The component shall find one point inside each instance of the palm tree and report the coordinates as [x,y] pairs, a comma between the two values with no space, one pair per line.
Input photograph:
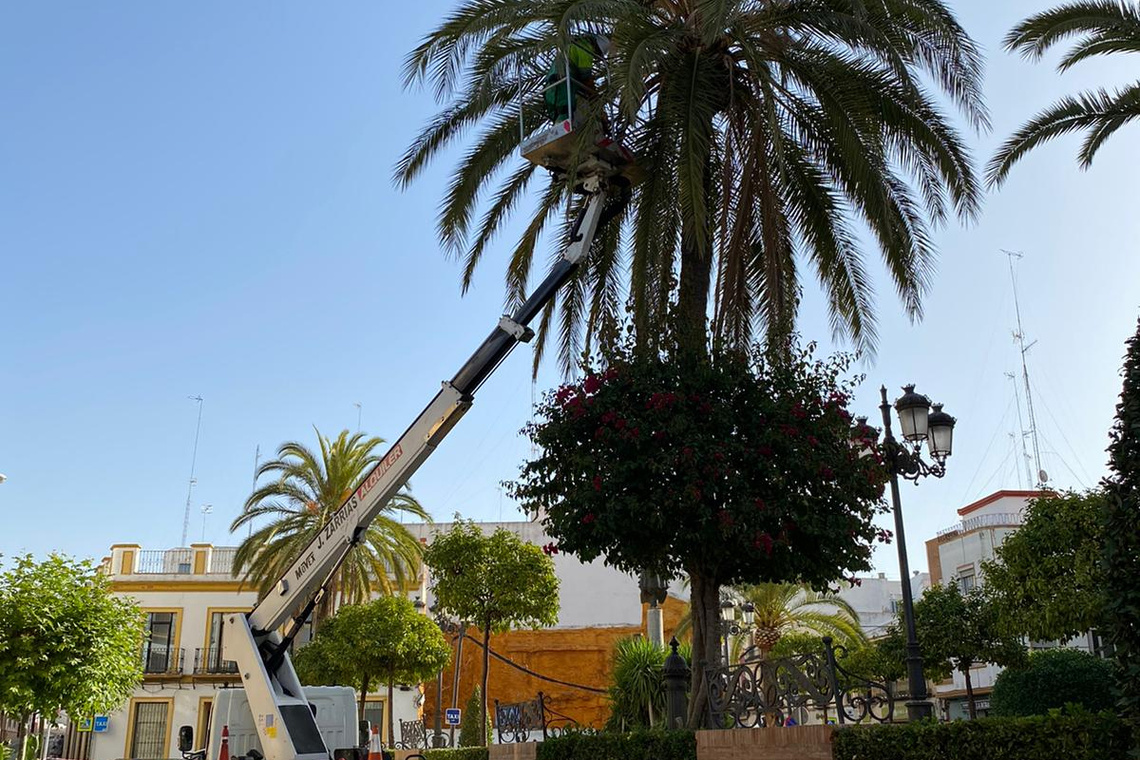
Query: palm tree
[780,609]
[1106,26]
[769,132]
[308,487]
[784,608]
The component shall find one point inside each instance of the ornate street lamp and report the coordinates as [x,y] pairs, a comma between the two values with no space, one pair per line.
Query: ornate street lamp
[653,589]
[917,425]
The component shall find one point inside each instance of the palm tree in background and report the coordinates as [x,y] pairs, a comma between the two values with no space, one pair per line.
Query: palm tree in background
[790,608]
[780,609]
[1103,26]
[306,489]
[768,131]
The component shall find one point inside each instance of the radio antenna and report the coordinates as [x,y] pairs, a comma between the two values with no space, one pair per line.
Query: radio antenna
[1023,348]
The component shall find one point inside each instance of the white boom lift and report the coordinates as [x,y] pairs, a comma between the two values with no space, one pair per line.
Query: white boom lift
[286,726]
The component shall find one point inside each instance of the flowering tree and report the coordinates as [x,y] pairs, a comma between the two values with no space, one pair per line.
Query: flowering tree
[733,470]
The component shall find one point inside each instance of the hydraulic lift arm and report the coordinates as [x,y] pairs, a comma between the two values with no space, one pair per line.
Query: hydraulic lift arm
[285,724]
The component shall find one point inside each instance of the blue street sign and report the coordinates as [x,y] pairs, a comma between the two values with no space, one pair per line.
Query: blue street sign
[100,724]
[452,716]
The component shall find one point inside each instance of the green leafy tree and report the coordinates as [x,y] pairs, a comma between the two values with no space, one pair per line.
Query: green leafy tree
[1053,679]
[1047,577]
[305,490]
[1101,27]
[386,641]
[1122,539]
[768,133]
[498,582]
[732,471]
[957,630]
[469,735]
[66,642]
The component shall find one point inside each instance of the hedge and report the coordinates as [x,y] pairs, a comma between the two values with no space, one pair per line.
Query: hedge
[457,753]
[638,745]
[1053,679]
[1079,735]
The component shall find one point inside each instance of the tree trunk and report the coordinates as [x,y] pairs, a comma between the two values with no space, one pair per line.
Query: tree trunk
[391,712]
[363,697]
[969,693]
[486,668]
[693,296]
[704,602]
[22,735]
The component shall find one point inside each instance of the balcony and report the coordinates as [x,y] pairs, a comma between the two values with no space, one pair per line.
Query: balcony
[209,662]
[161,660]
[1003,520]
[218,560]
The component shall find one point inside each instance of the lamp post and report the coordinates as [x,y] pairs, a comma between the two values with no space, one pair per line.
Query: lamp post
[448,627]
[653,590]
[917,424]
[730,627]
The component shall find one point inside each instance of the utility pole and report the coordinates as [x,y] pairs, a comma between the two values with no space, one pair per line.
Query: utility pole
[193,462]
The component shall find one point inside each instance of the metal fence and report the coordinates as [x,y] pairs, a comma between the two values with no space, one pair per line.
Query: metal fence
[160,659]
[1004,519]
[209,661]
[165,562]
[773,692]
[222,560]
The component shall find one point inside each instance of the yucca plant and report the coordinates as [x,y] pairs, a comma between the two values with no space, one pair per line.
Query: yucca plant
[1101,27]
[637,691]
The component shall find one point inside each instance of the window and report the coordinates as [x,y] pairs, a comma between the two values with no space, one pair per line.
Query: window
[966,582]
[159,655]
[374,714]
[894,607]
[205,705]
[149,730]
[213,654]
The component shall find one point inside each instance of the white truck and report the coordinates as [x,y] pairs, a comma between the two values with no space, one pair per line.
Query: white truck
[281,711]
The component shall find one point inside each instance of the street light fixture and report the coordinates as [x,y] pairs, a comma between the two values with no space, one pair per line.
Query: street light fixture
[917,424]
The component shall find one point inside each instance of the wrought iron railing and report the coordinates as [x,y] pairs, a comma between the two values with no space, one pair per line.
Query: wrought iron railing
[519,722]
[165,562]
[209,661]
[159,659]
[1004,519]
[769,692]
[222,560]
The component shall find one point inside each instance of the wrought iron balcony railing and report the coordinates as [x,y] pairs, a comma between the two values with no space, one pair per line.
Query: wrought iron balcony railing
[159,659]
[209,662]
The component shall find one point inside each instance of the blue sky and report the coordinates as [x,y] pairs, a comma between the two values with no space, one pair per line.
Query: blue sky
[196,199]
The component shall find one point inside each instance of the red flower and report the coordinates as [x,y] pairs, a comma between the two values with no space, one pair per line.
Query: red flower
[563,394]
[760,505]
[588,518]
[726,519]
[812,441]
[593,384]
[597,482]
[798,411]
[789,430]
[763,541]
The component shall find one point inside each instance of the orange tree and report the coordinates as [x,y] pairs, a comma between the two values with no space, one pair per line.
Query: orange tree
[731,469]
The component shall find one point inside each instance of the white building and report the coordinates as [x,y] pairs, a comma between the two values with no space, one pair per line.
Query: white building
[185,594]
[956,555]
[878,599]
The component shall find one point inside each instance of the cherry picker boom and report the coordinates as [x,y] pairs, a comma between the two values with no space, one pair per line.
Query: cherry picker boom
[258,641]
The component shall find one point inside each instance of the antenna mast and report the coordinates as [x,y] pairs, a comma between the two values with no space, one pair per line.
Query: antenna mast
[193,462]
[1021,430]
[1019,336]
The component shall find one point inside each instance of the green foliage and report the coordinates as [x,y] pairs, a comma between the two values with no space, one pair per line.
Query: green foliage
[748,467]
[497,582]
[957,630]
[637,745]
[781,609]
[65,641]
[386,639]
[306,490]
[637,691]
[1053,679]
[1100,27]
[1047,578]
[457,753]
[1077,736]
[768,133]
[1122,539]
[469,725]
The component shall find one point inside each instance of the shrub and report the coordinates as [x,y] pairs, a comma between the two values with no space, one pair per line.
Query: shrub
[457,753]
[469,725]
[639,745]
[637,692]
[1053,679]
[1079,735]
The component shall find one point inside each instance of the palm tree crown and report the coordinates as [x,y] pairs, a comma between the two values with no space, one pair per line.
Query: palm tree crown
[768,132]
[1103,26]
[783,608]
[308,487]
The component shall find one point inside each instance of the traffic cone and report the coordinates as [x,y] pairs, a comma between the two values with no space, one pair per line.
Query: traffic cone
[224,752]
[375,746]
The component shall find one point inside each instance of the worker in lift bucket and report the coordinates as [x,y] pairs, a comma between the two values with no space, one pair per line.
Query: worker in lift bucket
[563,98]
